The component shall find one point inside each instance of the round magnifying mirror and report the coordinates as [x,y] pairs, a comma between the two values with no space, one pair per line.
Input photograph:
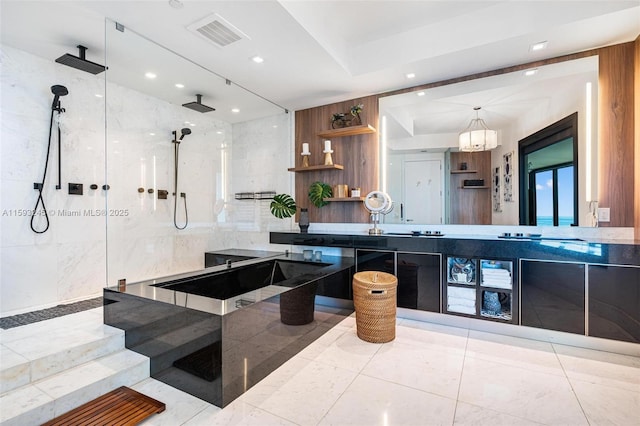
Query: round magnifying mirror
[378,202]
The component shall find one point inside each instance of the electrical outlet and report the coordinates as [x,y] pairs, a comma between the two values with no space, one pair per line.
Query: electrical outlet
[604,214]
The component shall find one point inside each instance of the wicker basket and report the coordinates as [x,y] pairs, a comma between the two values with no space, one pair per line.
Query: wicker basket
[374,298]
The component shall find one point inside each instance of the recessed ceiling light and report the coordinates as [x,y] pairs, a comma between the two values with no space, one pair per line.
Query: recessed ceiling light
[235,110]
[411,75]
[538,46]
[152,134]
[150,75]
[98,95]
[420,93]
[257,59]
[529,73]
[192,124]
[219,132]
[180,85]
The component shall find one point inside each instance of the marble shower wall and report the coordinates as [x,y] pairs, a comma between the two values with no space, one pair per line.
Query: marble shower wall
[102,236]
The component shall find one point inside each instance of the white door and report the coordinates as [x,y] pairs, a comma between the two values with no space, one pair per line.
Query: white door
[423,191]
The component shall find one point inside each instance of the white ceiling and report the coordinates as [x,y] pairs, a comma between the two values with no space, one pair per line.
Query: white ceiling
[318,52]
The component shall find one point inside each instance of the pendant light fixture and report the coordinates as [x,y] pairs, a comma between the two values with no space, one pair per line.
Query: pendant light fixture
[477,136]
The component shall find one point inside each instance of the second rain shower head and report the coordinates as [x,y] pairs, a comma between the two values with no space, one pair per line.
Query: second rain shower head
[79,62]
[198,105]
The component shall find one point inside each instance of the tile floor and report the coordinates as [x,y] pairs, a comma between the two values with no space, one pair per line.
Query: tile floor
[429,375]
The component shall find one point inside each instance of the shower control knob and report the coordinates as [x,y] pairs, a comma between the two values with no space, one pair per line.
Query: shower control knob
[141,190]
[93,186]
[106,187]
[150,190]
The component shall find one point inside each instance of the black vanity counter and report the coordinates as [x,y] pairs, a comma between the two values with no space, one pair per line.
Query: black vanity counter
[553,248]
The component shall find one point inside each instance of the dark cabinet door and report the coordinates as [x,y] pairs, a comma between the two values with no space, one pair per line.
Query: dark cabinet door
[419,281]
[553,296]
[418,276]
[614,297]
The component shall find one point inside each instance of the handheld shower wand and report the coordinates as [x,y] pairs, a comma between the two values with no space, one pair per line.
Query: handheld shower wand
[176,152]
[57,91]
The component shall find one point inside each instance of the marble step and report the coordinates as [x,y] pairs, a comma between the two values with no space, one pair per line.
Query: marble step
[36,351]
[52,396]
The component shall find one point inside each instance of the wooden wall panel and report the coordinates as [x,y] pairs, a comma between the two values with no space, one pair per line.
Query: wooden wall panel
[616,133]
[470,206]
[358,154]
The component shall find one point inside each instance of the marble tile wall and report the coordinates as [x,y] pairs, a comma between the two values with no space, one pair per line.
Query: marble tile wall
[83,249]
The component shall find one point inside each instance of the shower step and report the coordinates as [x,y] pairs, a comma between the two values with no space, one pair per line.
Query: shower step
[50,397]
[36,351]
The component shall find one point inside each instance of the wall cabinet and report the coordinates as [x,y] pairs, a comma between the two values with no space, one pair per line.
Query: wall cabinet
[553,295]
[482,288]
[418,276]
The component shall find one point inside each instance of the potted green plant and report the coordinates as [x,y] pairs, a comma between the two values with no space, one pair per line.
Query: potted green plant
[355,111]
[338,120]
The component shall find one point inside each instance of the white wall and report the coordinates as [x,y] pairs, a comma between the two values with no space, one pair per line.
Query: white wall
[69,261]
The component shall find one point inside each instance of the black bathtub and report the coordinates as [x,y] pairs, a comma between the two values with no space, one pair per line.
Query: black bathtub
[216,333]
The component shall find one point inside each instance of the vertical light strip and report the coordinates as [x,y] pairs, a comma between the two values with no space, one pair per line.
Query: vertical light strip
[223,172]
[589,147]
[383,155]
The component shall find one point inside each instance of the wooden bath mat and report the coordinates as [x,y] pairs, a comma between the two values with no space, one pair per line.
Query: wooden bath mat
[122,406]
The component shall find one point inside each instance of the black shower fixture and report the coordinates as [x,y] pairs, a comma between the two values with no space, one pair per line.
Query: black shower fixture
[183,132]
[198,105]
[58,91]
[80,62]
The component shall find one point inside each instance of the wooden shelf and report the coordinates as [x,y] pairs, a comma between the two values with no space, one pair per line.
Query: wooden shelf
[348,131]
[316,168]
[344,199]
[453,172]
[474,187]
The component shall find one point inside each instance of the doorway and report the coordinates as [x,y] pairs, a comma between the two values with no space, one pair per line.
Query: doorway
[549,175]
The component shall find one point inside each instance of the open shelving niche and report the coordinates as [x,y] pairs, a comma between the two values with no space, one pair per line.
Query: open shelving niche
[341,132]
[467,281]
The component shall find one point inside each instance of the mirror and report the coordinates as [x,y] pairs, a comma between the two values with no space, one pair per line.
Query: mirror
[377,203]
[430,180]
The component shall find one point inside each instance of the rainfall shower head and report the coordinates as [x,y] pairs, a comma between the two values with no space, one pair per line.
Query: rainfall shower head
[79,62]
[198,105]
[184,132]
[58,91]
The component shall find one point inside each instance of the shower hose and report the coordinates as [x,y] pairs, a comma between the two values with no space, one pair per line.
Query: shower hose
[176,151]
[40,199]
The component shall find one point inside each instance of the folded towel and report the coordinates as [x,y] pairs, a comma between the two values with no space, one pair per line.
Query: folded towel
[461,302]
[496,272]
[461,309]
[463,293]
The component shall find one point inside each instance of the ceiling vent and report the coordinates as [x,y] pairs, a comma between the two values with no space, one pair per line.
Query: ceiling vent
[217,30]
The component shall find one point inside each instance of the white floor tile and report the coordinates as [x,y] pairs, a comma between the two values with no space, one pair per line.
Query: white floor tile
[619,371]
[370,401]
[540,397]
[237,413]
[417,367]
[180,406]
[348,352]
[604,405]
[529,354]
[471,415]
[306,397]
